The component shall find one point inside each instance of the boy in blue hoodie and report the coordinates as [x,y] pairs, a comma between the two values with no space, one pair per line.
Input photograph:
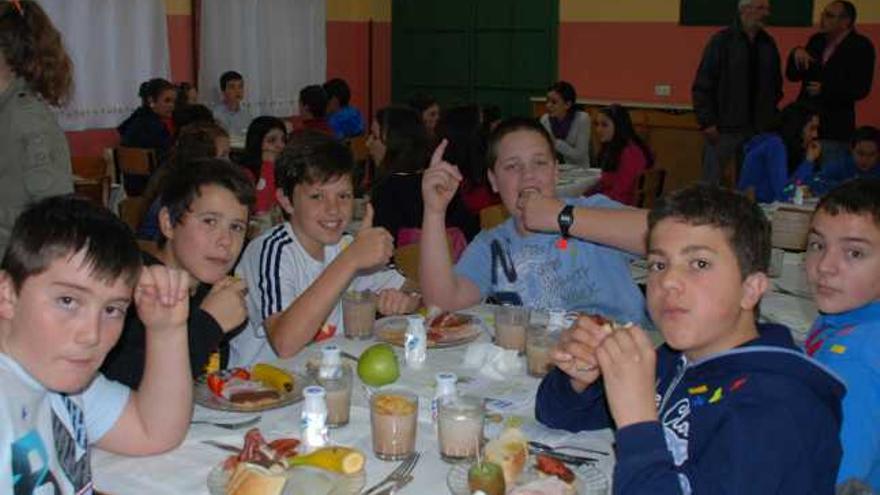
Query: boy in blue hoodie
[723,406]
[843,269]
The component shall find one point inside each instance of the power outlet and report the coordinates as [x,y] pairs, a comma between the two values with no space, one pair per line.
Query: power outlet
[662,89]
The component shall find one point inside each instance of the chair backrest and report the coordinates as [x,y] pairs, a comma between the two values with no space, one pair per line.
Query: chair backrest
[359,148]
[91,178]
[406,258]
[136,161]
[650,187]
[492,216]
[132,211]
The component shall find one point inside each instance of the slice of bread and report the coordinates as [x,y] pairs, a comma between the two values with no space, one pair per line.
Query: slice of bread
[250,479]
[510,451]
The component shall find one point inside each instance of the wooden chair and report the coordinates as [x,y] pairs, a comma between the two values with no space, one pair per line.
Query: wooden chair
[132,211]
[492,216]
[650,187]
[91,178]
[406,259]
[135,163]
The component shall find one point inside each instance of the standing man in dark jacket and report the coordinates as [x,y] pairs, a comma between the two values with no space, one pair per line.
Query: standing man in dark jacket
[836,69]
[737,87]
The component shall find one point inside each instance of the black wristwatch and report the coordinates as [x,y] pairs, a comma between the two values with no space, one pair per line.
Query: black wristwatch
[565,219]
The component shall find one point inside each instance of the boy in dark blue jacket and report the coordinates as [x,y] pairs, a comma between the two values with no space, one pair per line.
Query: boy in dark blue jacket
[724,406]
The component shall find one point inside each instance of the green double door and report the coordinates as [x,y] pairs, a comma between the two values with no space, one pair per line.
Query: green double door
[474,51]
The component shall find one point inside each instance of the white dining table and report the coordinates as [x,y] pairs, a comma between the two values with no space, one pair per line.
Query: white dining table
[575,180]
[185,469]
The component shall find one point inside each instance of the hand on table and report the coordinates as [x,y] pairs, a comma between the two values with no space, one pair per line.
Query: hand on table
[397,302]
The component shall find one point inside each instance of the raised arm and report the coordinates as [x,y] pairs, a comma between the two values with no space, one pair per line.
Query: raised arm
[440,285]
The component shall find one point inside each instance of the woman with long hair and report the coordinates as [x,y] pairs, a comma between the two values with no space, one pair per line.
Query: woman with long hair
[623,156]
[568,124]
[398,145]
[35,72]
[266,137]
[773,158]
[466,147]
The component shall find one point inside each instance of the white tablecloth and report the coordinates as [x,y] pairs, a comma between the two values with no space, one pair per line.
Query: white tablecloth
[574,180]
[185,469]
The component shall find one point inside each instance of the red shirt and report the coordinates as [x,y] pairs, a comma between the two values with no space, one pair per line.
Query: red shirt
[265,188]
[621,184]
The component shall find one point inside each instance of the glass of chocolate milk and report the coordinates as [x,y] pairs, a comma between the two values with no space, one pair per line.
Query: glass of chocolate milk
[393,420]
[460,427]
[510,327]
[358,314]
[539,343]
[338,397]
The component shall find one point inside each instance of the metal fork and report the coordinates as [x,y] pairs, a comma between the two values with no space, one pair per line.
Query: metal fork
[234,425]
[399,474]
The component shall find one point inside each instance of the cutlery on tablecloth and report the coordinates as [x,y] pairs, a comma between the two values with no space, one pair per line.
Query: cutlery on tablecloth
[228,425]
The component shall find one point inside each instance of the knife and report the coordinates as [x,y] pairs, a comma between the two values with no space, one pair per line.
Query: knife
[575,460]
[222,446]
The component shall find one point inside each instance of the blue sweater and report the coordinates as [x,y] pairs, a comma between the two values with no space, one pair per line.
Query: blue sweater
[765,167]
[832,174]
[346,122]
[761,418]
[849,344]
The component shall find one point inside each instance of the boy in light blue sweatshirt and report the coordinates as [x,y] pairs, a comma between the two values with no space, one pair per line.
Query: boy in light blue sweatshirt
[843,269]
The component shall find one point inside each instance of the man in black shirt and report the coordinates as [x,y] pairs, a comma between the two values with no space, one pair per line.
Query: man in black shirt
[835,69]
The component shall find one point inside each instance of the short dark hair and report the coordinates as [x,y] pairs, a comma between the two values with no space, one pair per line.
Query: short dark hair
[187,114]
[857,197]
[315,99]
[311,157]
[566,91]
[150,90]
[196,141]
[866,133]
[227,76]
[339,88]
[60,226]
[849,11]
[422,102]
[184,181]
[511,125]
[742,220]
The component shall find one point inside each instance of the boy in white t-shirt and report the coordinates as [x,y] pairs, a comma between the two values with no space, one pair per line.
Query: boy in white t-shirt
[297,272]
[66,282]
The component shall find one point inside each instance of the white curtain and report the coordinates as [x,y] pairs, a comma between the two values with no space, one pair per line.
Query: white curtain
[278,46]
[115,45]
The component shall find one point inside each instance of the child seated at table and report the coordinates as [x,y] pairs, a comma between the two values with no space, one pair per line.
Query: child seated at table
[843,270]
[203,219]
[863,161]
[512,262]
[297,272]
[230,113]
[66,282]
[345,120]
[724,406]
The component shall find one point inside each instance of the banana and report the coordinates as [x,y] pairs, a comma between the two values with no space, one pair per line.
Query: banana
[272,376]
[344,460]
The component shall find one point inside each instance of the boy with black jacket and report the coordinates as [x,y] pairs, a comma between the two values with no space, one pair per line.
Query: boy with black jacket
[724,406]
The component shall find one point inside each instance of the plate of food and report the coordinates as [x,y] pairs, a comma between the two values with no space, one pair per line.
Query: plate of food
[443,330]
[507,463]
[257,388]
[276,468]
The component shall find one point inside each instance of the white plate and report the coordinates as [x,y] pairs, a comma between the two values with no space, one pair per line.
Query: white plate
[589,480]
[204,397]
[342,485]
[392,329]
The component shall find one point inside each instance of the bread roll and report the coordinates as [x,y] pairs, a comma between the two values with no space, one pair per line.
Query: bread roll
[510,451]
[250,479]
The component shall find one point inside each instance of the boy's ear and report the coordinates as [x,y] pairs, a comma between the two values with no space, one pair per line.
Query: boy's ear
[492,180]
[165,225]
[8,296]
[754,287]
[284,201]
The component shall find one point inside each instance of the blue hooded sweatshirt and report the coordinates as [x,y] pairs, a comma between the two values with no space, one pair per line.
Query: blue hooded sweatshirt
[765,167]
[760,418]
[849,344]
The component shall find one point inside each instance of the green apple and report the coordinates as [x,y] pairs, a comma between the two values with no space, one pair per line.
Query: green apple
[377,366]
